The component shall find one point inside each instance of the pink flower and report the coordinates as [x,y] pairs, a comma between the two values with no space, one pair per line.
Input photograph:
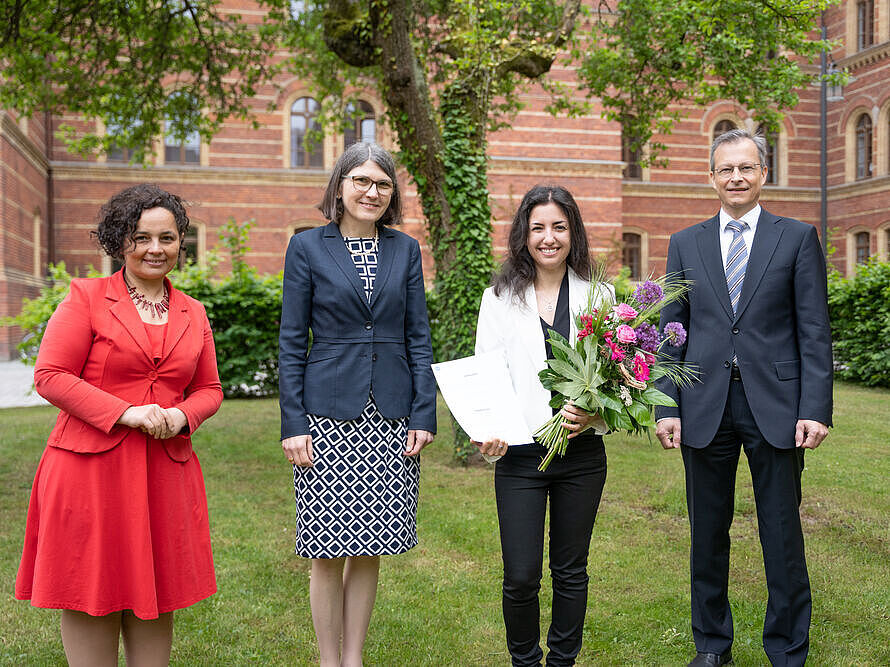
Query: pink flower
[641,370]
[587,321]
[624,312]
[649,357]
[617,352]
[625,334]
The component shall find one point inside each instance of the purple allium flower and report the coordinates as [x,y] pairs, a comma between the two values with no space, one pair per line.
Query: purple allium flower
[674,333]
[647,337]
[648,292]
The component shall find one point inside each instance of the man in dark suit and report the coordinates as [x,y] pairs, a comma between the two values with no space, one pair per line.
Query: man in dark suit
[758,331]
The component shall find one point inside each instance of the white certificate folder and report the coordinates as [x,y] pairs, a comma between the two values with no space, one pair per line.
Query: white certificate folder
[480,395]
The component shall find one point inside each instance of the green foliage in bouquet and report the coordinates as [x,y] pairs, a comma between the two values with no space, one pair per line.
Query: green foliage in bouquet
[610,368]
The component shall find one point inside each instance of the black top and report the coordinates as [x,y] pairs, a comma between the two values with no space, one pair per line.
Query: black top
[562,326]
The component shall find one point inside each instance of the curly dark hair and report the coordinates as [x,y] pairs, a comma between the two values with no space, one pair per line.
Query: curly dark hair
[519,270]
[119,216]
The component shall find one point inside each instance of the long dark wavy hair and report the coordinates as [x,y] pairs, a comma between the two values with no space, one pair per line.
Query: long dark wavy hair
[519,271]
[331,205]
[119,216]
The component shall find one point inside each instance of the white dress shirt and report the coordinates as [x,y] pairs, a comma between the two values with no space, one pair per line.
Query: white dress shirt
[751,217]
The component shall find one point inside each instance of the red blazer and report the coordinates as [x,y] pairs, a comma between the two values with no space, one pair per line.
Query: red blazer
[95,361]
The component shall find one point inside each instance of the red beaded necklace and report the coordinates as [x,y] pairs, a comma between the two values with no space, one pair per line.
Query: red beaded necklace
[155,308]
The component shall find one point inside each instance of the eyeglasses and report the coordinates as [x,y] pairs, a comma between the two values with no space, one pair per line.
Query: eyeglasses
[363,184]
[744,170]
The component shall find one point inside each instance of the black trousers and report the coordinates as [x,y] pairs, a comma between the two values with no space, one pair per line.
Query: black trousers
[574,486]
[710,495]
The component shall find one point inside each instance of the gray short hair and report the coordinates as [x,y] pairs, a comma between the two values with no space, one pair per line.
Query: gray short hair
[331,205]
[736,135]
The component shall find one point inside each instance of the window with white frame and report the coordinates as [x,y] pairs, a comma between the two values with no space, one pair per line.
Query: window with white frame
[363,127]
[863,146]
[305,150]
[632,254]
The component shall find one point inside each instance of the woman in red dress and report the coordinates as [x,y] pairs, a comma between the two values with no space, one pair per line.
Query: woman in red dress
[117,533]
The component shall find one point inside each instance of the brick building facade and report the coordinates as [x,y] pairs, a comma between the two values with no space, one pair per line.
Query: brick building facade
[49,198]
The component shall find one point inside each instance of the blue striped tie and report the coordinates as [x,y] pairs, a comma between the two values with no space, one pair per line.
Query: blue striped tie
[736,262]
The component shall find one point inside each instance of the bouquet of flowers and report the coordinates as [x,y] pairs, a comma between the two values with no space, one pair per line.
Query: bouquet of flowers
[610,368]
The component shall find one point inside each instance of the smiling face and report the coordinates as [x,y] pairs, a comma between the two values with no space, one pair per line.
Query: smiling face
[361,209]
[549,239]
[155,248]
[738,193]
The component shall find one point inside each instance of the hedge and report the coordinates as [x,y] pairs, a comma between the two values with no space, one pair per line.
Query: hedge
[859,308]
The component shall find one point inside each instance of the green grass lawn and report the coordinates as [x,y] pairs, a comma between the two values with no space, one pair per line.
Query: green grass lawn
[439,604]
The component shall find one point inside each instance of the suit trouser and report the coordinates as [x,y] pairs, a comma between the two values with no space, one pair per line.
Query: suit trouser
[710,493]
[574,485]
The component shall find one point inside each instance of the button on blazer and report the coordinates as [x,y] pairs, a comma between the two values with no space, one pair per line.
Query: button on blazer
[357,347]
[96,361]
[779,333]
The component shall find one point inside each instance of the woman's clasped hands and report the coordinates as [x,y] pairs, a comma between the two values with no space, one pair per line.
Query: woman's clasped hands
[160,423]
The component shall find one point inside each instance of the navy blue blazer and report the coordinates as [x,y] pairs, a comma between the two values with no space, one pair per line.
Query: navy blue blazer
[780,332]
[357,347]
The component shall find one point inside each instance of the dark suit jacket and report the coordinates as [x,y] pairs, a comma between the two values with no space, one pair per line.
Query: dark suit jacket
[780,333]
[95,361]
[356,348]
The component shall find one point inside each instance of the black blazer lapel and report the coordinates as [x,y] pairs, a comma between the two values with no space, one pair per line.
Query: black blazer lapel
[335,246]
[766,238]
[708,238]
[386,251]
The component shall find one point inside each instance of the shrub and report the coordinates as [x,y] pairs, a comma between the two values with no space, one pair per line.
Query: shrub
[36,312]
[859,308]
[243,308]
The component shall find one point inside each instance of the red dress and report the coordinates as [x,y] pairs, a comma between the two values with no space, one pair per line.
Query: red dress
[117,519]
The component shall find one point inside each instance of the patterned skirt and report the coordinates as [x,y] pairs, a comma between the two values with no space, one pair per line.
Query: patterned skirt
[359,498]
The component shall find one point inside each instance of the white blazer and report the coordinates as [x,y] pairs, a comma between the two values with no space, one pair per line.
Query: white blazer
[507,324]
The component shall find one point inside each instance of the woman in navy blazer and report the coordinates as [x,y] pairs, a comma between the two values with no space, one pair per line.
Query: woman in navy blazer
[358,403]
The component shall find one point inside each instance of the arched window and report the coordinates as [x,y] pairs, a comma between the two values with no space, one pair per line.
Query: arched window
[303,120]
[772,158]
[181,150]
[863,146]
[632,254]
[863,247]
[364,124]
[188,251]
[723,126]
[117,153]
[632,170]
[865,24]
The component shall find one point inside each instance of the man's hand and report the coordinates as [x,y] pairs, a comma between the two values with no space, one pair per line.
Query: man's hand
[809,433]
[668,432]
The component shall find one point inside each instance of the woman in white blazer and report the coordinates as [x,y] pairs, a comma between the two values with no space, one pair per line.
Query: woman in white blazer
[544,282]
